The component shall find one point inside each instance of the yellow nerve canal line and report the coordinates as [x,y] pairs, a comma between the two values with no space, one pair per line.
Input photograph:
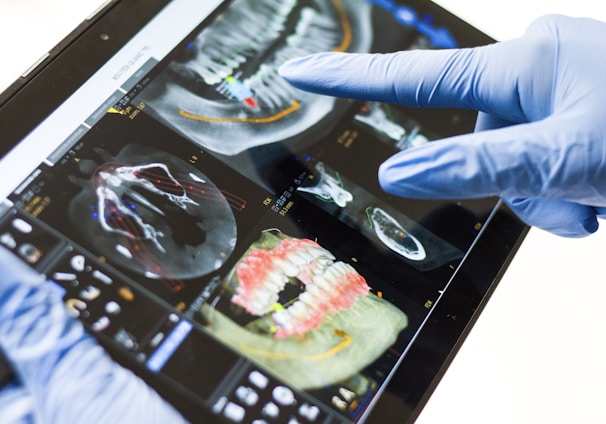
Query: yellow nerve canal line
[347,340]
[294,107]
[346,27]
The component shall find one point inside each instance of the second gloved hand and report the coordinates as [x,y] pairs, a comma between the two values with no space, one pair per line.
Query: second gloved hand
[65,376]
[540,139]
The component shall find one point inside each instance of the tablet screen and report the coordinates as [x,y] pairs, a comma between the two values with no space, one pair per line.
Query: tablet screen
[224,234]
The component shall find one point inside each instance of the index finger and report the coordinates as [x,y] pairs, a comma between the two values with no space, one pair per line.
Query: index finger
[481,78]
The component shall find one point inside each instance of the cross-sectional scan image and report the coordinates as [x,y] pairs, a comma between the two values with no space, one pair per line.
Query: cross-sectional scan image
[379,222]
[153,213]
[391,126]
[294,308]
[224,92]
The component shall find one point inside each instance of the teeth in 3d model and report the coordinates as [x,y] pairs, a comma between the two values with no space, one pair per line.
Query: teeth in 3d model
[328,286]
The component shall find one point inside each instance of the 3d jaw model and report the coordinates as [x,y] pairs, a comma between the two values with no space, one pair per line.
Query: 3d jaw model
[312,319]
[329,286]
[225,93]
[154,214]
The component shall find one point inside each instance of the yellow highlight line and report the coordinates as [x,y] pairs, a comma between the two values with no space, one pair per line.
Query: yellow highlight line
[294,107]
[346,27]
[347,340]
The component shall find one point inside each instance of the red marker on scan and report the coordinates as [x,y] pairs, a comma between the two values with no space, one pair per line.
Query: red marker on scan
[241,92]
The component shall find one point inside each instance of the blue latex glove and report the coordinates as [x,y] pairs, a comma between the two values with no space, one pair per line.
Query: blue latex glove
[540,139]
[64,375]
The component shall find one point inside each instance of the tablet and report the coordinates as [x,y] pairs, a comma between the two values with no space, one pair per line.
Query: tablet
[223,234]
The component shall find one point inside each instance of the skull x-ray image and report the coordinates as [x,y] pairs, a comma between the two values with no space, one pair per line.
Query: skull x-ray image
[224,93]
[153,213]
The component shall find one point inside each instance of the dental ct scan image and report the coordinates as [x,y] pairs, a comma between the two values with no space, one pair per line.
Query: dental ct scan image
[224,235]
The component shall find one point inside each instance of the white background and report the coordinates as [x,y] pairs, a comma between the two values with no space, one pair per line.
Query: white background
[538,352]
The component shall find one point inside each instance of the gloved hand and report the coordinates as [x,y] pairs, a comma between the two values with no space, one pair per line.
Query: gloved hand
[65,376]
[540,139]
